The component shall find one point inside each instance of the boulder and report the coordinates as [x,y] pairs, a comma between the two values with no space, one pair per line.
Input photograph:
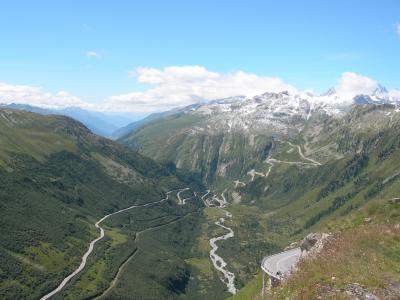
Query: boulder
[313,243]
[394,200]
[357,291]
[367,220]
[292,246]
[309,241]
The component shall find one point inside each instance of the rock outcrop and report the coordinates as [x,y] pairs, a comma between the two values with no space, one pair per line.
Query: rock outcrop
[313,243]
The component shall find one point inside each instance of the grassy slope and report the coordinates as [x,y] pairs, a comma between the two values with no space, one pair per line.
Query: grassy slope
[360,252]
[251,290]
[358,152]
[264,222]
[159,246]
[185,140]
[53,188]
[302,199]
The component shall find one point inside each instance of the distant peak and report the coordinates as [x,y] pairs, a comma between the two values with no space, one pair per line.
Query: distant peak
[329,92]
[276,94]
[380,90]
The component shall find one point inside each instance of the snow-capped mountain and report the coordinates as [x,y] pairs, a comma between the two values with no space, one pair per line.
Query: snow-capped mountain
[223,137]
[279,109]
[380,95]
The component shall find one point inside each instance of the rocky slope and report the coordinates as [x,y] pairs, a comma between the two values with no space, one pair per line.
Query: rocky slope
[226,138]
[286,162]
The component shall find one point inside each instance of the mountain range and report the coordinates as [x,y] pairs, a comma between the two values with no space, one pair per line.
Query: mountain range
[104,124]
[56,179]
[227,125]
[288,164]
[241,178]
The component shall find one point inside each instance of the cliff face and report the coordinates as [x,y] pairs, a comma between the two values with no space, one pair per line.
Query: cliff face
[226,139]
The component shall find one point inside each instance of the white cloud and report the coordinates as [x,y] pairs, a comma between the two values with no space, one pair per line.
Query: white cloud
[397,28]
[35,96]
[93,54]
[352,84]
[394,94]
[183,85]
[179,86]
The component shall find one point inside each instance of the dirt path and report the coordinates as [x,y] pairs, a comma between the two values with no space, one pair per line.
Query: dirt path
[121,269]
[91,247]
[303,156]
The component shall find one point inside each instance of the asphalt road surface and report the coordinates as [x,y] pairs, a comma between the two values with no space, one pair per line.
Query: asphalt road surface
[281,264]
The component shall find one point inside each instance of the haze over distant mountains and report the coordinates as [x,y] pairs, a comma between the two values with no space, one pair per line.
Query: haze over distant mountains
[336,100]
[306,158]
[100,123]
[197,150]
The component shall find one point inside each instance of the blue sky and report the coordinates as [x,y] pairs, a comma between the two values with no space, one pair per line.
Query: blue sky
[89,48]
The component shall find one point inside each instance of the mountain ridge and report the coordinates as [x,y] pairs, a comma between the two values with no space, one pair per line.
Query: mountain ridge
[246,122]
[100,123]
[57,178]
[281,168]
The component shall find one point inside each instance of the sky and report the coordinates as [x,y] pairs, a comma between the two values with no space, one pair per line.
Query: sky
[144,56]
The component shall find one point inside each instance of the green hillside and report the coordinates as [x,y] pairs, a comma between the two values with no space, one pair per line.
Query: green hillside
[362,255]
[359,164]
[174,139]
[57,179]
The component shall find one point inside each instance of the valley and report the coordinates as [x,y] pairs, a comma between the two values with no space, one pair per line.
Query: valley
[218,262]
[92,244]
[200,150]
[62,208]
[280,183]
[238,195]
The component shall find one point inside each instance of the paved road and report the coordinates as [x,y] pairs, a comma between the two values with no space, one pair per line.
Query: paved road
[281,264]
[180,200]
[137,236]
[314,162]
[91,247]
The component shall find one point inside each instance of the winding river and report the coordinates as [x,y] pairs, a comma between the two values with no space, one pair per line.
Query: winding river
[218,261]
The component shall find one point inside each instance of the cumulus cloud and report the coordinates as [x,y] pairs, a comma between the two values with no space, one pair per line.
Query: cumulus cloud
[352,84]
[24,94]
[183,85]
[93,54]
[179,86]
[395,94]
